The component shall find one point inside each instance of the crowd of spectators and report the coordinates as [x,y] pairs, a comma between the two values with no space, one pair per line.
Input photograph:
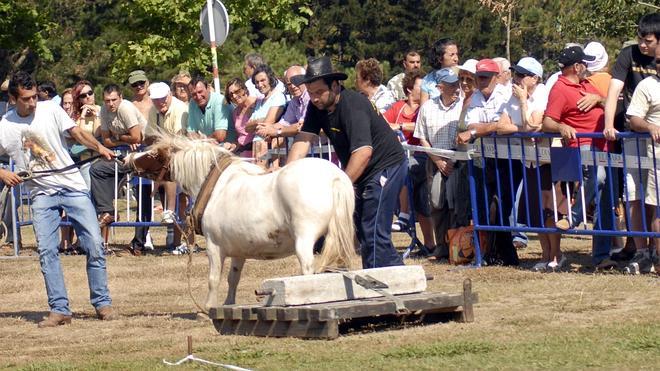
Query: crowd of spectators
[449,107]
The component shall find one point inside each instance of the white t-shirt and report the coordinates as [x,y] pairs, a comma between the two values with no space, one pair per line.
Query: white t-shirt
[254,92]
[37,142]
[119,123]
[645,102]
[535,103]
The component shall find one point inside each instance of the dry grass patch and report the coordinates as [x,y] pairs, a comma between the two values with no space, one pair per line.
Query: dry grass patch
[524,320]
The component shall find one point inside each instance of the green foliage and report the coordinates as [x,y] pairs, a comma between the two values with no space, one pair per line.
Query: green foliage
[102,40]
[166,33]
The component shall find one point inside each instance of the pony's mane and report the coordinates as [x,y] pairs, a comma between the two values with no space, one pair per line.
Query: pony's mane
[191,159]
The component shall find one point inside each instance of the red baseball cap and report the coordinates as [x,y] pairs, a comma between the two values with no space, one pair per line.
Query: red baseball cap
[487,67]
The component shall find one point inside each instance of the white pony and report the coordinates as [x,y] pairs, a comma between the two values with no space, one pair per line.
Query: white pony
[252,214]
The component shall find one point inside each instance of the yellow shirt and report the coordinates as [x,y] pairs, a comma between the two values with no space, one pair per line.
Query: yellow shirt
[174,121]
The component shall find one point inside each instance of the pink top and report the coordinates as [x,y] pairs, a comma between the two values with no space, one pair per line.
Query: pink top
[240,121]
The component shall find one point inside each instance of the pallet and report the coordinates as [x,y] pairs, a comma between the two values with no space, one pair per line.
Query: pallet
[324,321]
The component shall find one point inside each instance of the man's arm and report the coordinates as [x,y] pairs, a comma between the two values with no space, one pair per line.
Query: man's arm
[358,162]
[87,140]
[444,165]
[613,91]
[552,126]
[219,135]
[300,146]
[640,125]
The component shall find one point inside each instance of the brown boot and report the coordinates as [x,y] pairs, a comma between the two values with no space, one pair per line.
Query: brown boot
[106,313]
[55,319]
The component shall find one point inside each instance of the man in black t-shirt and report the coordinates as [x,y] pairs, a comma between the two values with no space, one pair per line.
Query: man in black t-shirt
[634,64]
[368,149]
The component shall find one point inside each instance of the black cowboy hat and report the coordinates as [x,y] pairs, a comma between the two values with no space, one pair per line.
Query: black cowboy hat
[318,68]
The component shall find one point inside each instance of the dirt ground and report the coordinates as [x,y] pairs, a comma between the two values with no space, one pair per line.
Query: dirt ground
[524,320]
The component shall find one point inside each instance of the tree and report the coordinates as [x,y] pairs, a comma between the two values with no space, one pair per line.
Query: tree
[166,33]
[23,30]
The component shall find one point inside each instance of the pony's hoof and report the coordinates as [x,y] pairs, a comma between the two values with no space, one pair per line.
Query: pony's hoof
[202,317]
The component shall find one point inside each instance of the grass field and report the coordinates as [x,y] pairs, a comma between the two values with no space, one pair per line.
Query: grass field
[525,320]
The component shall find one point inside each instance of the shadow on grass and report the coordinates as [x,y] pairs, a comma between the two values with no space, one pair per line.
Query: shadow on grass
[29,316]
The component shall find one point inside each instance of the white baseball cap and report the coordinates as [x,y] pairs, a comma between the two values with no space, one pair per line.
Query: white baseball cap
[158,90]
[470,65]
[597,50]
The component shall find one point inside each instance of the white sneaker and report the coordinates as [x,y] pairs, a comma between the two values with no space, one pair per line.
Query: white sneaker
[181,250]
[555,266]
[148,244]
[168,217]
[540,267]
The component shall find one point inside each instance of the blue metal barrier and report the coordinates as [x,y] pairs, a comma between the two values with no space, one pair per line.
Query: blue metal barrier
[501,156]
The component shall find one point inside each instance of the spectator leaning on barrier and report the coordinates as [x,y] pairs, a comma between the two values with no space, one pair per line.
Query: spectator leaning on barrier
[411,61]
[644,115]
[121,125]
[369,150]
[291,121]
[368,81]
[436,127]
[267,110]
[482,119]
[565,115]
[237,94]
[633,64]
[524,113]
[33,135]
[208,115]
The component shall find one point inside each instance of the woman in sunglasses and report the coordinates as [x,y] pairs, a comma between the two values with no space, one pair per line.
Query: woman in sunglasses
[524,113]
[237,94]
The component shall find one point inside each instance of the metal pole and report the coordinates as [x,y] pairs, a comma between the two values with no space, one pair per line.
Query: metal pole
[214,54]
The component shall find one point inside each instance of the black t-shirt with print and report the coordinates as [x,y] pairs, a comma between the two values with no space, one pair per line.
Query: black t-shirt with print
[353,124]
[631,67]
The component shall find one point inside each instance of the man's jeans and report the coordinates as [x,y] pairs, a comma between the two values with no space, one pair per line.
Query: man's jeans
[102,177]
[598,189]
[374,209]
[46,218]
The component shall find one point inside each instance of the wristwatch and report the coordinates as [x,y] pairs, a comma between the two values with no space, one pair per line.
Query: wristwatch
[279,131]
[473,134]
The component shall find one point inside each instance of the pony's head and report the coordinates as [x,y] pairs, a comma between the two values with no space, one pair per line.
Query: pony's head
[178,158]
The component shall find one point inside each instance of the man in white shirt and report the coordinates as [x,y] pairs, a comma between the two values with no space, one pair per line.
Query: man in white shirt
[34,136]
[482,119]
[644,115]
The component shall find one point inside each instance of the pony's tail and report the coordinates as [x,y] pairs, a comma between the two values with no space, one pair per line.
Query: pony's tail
[339,246]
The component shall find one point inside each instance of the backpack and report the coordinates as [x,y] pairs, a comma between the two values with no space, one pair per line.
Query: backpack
[461,244]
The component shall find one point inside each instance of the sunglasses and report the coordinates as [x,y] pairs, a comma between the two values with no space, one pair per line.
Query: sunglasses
[522,75]
[85,95]
[138,84]
[235,92]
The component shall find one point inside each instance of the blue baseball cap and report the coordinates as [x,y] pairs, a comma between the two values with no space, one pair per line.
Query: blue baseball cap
[446,75]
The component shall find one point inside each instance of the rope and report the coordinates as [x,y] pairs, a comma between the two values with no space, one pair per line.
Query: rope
[187,238]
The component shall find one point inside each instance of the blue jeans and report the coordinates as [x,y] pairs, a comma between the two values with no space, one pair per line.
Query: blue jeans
[596,182]
[46,218]
[375,204]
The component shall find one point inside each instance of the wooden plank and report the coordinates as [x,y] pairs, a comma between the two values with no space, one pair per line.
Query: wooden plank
[330,287]
[301,329]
